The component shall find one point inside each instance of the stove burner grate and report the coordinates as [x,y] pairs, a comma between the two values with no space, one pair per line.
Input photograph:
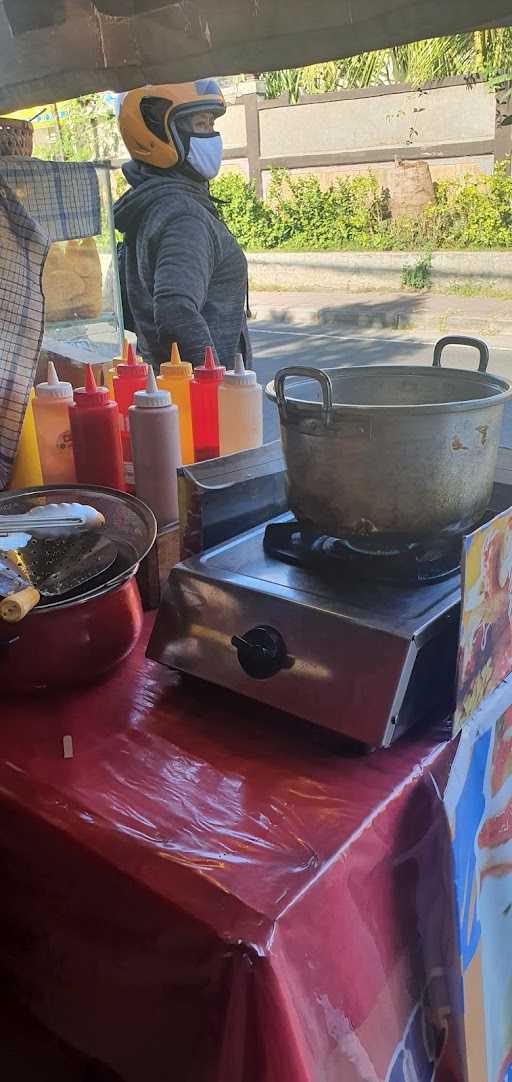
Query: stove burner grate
[415,563]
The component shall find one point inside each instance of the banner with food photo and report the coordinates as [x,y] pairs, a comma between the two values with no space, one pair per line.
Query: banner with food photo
[478,801]
[485,644]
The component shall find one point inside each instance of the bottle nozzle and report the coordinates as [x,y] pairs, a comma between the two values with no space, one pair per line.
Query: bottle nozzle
[131,357]
[210,371]
[152,396]
[151,384]
[90,382]
[54,388]
[52,378]
[90,394]
[239,375]
[124,354]
[175,355]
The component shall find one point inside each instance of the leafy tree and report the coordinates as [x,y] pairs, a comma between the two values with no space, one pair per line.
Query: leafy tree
[480,53]
[86,132]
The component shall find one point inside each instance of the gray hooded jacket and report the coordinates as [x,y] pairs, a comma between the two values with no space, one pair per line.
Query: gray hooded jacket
[183,274]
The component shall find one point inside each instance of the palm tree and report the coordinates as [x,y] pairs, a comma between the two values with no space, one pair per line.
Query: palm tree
[484,52]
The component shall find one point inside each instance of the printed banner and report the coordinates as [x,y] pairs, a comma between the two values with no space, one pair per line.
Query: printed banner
[485,645]
[479,806]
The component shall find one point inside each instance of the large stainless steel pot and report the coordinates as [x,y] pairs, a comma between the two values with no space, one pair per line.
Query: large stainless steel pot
[400,451]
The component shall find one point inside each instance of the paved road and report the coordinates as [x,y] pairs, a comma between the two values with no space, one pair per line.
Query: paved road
[275,348]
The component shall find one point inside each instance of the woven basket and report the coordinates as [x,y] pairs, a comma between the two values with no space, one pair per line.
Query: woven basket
[16,138]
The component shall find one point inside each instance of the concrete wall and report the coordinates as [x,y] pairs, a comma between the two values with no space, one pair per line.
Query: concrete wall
[361,271]
[451,127]
[450,114]
[233,127]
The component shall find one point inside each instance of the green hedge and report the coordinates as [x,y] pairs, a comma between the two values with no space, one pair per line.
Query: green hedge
[353,213]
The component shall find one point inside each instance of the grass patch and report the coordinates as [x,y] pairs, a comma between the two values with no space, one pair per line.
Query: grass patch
[469,289]
[418,275]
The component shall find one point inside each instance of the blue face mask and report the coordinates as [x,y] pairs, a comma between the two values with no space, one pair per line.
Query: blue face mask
[205,154]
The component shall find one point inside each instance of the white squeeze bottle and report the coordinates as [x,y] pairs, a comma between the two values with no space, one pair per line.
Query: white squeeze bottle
[50,408]
[240,410]
[155,437]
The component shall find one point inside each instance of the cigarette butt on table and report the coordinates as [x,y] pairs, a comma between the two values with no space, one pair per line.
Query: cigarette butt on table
[15,606]
[67,747]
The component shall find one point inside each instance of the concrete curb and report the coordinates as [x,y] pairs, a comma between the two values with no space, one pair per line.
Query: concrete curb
[386,319]
[378,271]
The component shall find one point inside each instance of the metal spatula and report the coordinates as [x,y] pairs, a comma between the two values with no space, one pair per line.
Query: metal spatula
[54,568]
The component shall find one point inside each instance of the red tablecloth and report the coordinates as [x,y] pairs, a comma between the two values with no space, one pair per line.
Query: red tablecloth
[210,892]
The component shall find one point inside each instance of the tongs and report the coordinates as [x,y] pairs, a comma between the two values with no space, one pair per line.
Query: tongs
[54,520]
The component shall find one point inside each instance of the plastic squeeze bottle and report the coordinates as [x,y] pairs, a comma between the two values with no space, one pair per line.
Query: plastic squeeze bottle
[155,432]
[96,436]
[51,418]
[240,410]
[204,400]
[175,376]
[130,377]
[26,471]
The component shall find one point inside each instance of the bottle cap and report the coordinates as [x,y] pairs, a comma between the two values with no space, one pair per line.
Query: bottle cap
[175,368]
[132,366]
[54,387]
[238,376]
[151,398]
[91,394]
[209,372]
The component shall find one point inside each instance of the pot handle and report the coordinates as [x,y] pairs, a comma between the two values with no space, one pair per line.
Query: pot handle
[317,374]
[462,340]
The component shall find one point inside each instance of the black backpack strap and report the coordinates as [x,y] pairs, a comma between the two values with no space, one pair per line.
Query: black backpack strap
[129,324]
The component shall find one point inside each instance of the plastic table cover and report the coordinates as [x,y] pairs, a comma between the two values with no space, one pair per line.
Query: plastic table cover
[209,891]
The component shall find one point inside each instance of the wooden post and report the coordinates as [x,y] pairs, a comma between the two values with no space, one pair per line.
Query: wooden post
[503,133]
[252,130]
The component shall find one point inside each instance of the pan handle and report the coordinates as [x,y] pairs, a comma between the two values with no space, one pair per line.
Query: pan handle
[307,373]
[15,606]
[462,340]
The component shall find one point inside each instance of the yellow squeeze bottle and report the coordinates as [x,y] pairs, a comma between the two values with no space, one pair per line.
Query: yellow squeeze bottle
[27,468]
[175,376]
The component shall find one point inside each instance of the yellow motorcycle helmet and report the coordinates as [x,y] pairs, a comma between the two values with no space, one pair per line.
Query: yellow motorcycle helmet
[149,118]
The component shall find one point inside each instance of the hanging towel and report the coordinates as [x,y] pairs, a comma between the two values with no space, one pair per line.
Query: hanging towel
[40,202]
[62,197]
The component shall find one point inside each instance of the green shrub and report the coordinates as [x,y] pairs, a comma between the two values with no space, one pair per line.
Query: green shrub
[475,212]
[244,214]
[419,275]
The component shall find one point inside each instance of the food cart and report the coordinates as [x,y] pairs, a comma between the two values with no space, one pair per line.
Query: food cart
[200,882]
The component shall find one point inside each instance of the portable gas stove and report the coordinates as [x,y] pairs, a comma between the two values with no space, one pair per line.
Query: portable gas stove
[324,630]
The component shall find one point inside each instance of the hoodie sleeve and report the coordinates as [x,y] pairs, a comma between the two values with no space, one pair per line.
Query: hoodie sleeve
[183,267]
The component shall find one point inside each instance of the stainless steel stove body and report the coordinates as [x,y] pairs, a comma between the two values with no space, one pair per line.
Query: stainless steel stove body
[362,658]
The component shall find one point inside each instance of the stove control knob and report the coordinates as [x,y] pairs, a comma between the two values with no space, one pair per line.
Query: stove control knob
[261,652]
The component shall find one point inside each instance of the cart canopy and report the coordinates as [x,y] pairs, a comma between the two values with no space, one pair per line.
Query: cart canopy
[56,49]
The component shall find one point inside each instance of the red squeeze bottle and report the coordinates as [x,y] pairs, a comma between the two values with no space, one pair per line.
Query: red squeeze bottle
[130,377]
[204,404]
[96,436]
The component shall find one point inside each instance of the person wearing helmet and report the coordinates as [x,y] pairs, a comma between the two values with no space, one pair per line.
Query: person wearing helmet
[183,274]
